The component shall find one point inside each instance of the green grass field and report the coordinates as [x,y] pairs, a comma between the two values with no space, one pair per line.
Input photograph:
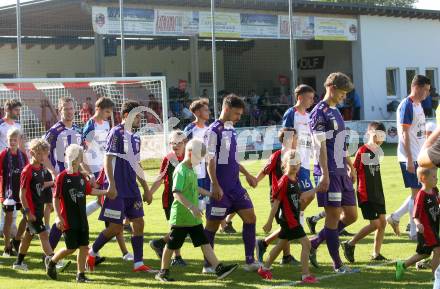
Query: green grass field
[114,273]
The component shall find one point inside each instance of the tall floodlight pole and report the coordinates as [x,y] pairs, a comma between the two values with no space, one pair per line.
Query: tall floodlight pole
[19,56]
[214,59]
[121,27]
[292,52]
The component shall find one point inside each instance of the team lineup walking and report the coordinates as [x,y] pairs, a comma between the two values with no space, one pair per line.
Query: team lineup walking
[202,188]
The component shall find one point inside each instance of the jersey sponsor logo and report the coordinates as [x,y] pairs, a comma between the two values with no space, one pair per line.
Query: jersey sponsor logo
[112,214]
[39,188]
[75,195]
[137,205]
[334,196]
[218,212]
[373,169]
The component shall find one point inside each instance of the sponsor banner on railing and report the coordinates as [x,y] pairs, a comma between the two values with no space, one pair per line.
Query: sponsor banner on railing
[164,22]
[176,23]
[303,27]
[226,24]
[335,29]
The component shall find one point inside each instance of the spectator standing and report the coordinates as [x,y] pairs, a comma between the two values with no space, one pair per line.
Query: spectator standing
[85,112]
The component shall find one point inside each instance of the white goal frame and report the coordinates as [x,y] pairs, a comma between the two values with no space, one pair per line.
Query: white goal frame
[109,80]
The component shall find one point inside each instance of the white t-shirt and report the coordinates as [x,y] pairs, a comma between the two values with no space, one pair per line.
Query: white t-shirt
[301,123]
[4,128]
[95,135]
[194,132]
[412,115]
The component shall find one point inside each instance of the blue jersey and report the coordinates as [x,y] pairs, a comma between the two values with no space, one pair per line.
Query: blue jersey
[327,123]
[125,147]
[222,145]
[59,138]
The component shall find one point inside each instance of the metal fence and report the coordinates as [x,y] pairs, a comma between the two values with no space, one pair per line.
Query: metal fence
[258,49]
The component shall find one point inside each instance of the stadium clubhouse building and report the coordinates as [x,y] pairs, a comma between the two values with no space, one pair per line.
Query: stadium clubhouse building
[381,48]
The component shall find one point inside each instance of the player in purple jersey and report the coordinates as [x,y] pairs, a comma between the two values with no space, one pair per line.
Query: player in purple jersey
[59,137]
[333,168]
[224,170]
[122,169]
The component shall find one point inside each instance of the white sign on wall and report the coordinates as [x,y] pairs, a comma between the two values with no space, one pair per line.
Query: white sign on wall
[164,22]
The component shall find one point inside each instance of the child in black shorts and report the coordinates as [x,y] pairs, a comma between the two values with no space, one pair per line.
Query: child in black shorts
[287,205]
[427,219]
[288,138]
[186,217]
[177,142]
[31,186]
[12,162]
[70,207]
[46,196]
[370,194]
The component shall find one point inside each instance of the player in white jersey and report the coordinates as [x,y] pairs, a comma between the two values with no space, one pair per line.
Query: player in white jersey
[94,136]
[9,121]
[411,131]
[197,130]
[298,118]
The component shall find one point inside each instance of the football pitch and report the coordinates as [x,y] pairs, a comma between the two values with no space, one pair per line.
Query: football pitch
[115,273]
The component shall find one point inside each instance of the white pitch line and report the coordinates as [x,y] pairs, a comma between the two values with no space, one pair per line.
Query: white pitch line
[372,266]
[295,283]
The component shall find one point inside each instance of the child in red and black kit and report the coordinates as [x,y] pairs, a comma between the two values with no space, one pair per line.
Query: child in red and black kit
[427,219]
[71,188]
[288,139]
[287,205]
[178,141]
[31,186]
[370,193]
[12,162]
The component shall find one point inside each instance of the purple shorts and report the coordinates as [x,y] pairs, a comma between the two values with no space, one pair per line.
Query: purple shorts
[115,211]
[340,193]
[230,203]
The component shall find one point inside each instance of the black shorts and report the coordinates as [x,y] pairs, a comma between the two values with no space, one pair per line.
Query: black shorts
[178,235]
[9,208]
[372,211]
[287,233]
[37,227]
[46,196]
[167,212]
[76,238]
[422,248]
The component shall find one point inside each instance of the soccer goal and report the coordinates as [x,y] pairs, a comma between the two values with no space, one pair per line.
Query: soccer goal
[39,98]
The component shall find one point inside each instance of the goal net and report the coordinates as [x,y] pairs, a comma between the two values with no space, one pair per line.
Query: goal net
[39,98]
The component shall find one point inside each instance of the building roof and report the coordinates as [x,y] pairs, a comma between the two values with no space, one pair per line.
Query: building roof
[72,18]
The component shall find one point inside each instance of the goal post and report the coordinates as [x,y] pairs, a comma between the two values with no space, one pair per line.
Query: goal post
[39,98]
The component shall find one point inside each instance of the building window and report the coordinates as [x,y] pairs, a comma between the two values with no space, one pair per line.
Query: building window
[432,73]
[53,75]
[7,75]
[392,82]
[84,74]
[410,73]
